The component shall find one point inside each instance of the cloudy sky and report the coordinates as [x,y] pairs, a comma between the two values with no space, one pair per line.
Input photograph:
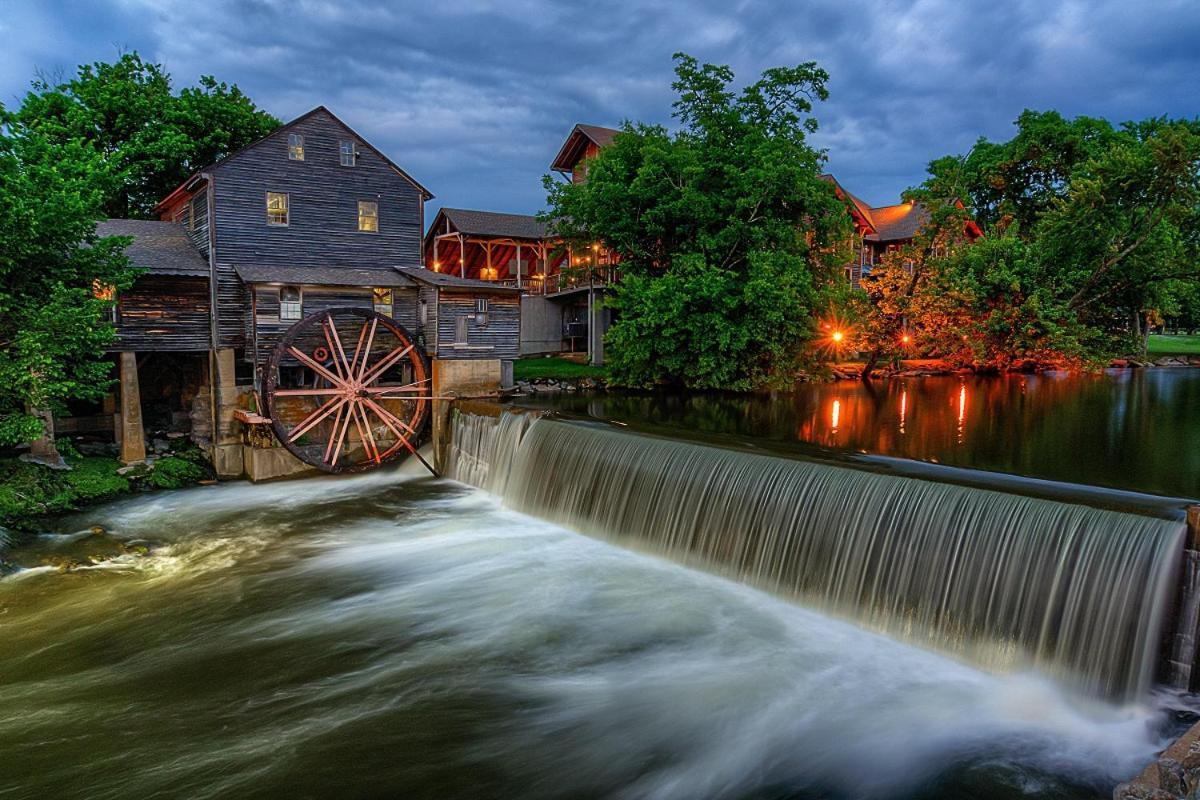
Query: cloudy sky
[474,97]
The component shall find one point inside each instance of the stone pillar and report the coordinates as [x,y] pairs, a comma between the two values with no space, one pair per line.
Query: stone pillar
[226,431]
[133,435]
[1193,524]
[597,327]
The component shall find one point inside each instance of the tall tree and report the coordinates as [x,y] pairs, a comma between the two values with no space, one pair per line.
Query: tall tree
[54,277]
[150,138]
[725,232]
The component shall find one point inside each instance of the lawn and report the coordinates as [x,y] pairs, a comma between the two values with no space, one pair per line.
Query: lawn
[1162,345]
[532,369]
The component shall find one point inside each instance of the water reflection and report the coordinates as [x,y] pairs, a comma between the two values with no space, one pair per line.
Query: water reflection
[1125,429]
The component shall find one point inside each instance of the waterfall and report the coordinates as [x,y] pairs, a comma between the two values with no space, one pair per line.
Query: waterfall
[1006,581]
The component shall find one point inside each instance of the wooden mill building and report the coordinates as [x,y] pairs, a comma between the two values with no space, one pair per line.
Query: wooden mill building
[310,217]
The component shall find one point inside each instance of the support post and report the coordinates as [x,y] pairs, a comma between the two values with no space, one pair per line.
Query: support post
[1193,526]
[133,434]
[518,265]
[227,439]
[462,256]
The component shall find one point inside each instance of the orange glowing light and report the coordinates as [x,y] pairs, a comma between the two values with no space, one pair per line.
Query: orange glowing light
[962,404]
[835,415]
[437,266]
[837,336]
[906,339]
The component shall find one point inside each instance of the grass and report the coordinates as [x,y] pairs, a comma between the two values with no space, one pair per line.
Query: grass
[532,369]
[30,490]
[1162,345]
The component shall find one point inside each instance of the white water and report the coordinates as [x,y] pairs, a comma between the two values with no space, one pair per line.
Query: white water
[392,636]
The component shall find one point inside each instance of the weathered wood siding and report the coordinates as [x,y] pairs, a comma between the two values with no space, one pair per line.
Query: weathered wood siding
[269,328]
[322,225]
[193,216]
[499,338]
[163,313]
[428,331]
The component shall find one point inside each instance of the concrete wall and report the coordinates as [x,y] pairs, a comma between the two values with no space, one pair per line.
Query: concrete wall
[541,326]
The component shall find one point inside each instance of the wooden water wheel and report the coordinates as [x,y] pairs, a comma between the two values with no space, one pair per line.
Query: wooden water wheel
[348,390]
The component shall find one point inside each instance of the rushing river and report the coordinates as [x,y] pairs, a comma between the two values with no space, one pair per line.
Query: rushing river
[394,636]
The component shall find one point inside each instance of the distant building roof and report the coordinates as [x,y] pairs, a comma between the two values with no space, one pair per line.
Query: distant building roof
[443,280]
[898,222]
[574,148]
[322,276]
[161,248]
[491,223]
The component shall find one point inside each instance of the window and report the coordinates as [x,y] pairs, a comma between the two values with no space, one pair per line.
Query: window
[368,216]
[277,208]
[295,147]
[290,305]
[481,311]
[348,151]
[382,299]
[422,312]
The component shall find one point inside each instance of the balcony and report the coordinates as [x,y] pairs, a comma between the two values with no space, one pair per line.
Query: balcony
[566,281]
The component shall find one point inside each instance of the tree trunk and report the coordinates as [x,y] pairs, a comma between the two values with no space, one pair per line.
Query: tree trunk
[869,367]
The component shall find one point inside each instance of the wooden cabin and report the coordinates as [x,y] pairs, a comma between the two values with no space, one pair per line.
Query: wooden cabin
[308,218]
[879,229]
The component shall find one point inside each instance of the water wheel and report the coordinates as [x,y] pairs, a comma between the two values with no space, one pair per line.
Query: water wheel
[348,390]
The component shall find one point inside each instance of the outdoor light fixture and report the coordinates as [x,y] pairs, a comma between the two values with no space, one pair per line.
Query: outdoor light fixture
[837,336]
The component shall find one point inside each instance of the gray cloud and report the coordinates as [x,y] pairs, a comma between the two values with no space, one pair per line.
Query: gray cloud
[475,97]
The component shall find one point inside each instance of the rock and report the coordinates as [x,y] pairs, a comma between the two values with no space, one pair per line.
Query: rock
[97,530]
[1119,363]
[1171,777]
[176,435]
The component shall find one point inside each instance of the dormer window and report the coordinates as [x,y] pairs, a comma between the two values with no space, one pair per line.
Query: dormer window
[277,208]
[348,151]
[295,147]
[368,216]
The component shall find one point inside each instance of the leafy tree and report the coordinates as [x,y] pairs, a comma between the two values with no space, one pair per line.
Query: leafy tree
[52,324]
[725,232]
[150,138]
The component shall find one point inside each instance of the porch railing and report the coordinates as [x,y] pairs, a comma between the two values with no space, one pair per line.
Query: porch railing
[566,281]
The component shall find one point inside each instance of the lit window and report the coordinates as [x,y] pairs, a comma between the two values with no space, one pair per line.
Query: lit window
[290,306]
[382,299]
[348,152]
[277,208]
[295,147]
[368,216]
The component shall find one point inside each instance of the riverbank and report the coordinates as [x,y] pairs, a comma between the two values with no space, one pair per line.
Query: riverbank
[31,492]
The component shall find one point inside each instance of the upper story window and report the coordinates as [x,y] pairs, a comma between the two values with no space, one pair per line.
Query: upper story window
[295,147]
[348,152]
[290,302]
[368,216]
[277,208]
[481,311]
[382,300]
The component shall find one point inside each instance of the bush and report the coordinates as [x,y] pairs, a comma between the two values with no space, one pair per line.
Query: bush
[174,472]
[29,490]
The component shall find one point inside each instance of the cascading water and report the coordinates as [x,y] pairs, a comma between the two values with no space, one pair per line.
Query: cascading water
[1006,581]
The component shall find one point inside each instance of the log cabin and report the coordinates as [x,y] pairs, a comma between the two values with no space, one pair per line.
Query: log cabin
[311,217]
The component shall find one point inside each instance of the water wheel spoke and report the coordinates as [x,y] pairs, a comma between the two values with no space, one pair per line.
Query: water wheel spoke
[308,392]
[341,437]
[337,422]
[364,434]
[389,419]
[385,364]
[314,418]
[415,386]
[362,367]
[335,348]
[316,367]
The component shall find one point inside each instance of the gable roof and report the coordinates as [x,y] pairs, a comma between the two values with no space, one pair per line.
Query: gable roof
[428,195]
[492,223]
[160,248]
[444,281]
[576,144]
[898,222]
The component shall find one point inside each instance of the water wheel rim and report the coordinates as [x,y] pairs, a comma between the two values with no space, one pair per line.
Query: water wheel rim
[355,388]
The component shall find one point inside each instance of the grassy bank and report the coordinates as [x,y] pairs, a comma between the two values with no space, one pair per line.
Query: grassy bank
[1162,345]
[29,492]
[534,369]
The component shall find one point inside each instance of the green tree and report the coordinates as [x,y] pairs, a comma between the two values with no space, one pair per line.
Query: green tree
[53,327]
[727,236]
[150,138]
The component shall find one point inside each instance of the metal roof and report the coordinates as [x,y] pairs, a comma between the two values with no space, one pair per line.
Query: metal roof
[322,276]
[492,223]
[445,281]
[160,248]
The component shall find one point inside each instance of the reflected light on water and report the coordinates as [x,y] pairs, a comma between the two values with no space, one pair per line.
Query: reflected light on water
[903,409]
[962,410]
[835,415]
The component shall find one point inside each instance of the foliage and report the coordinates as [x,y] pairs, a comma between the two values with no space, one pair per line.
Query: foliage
[173,472]
[53,328]
[31,490]
[532,369]
[149,138]
[1091,237]
[724,230]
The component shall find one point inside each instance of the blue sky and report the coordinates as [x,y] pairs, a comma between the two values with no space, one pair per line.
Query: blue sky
[474,98]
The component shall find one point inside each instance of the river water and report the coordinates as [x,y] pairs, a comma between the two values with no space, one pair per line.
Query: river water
[396,636]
